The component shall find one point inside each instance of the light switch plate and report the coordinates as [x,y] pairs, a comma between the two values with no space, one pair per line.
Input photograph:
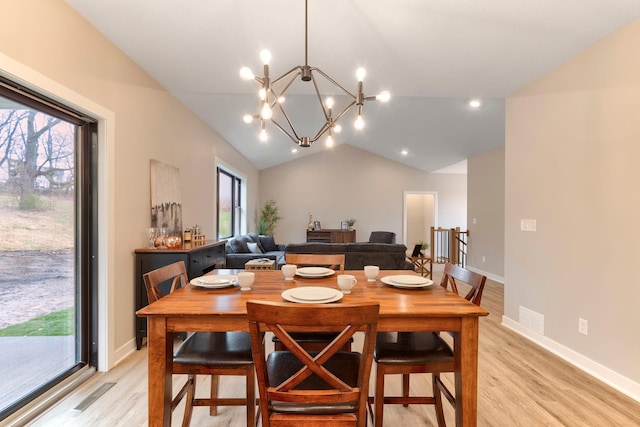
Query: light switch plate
[528,225]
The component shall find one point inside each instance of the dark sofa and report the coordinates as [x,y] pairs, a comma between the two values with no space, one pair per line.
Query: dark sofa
[388,256]
[239,250]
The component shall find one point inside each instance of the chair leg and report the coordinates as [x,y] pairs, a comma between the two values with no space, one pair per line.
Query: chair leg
[379,401]
[438,396]
[215,385]
[251,396]
[188,404]
[405,388]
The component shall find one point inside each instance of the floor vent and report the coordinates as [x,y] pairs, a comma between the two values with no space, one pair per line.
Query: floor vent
[532,320]
[93,396]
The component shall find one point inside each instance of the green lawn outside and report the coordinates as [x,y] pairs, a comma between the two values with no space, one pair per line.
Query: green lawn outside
[59,323]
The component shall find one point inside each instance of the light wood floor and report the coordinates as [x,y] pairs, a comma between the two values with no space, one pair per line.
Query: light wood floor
[520,384]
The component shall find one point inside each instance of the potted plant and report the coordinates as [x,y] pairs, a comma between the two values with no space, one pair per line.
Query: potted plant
[419,247]
[351,222]
[268,219]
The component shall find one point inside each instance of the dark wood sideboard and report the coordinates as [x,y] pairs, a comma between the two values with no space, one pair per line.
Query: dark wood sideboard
[329,235]
[198,259]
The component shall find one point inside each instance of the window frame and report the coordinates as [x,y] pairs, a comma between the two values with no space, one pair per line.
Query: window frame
[236,201]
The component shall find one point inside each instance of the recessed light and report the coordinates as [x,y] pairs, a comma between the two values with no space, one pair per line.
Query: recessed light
[475,103]
[294,150]
[404,152]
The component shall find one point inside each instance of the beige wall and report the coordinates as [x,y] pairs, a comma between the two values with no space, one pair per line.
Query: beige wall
[420,217]
[347,182]
[47,38]
[485,198]
[572,149]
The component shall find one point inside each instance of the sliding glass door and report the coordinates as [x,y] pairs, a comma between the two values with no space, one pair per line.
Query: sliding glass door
[46,245]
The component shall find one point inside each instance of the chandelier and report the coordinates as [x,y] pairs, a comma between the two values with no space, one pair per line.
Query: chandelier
[272,97]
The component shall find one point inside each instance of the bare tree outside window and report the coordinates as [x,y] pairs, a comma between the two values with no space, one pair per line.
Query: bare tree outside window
[36,154]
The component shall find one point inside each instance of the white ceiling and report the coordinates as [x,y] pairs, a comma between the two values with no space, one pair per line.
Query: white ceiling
[432,55]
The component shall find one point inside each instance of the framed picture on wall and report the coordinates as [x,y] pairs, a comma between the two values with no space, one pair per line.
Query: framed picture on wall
[417,250]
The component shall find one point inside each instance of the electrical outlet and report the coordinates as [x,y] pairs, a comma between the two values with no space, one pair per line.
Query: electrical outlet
[475,220]
[483,259]
[583,326]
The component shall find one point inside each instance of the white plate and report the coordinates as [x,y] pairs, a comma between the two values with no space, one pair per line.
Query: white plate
[312,295]
[214,281]
[389,281]
[408,280]
[314,272]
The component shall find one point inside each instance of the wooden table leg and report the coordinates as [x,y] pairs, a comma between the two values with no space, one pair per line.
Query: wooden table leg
[466,379]
[160,355]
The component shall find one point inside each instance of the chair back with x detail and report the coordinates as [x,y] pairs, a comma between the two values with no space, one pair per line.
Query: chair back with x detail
[422,352]
[208,353]
[322,388]
[315,341]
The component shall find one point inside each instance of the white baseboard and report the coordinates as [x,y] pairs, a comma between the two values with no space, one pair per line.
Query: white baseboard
[124,351]
[596,370]
[493,277]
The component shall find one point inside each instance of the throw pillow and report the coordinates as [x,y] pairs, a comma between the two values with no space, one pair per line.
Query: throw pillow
[253,248]
[238,246]
[268,243]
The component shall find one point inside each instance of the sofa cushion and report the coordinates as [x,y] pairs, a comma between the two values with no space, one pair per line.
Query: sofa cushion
[382,237]
[268,244]
[238,245]
[316,248]
[254,248]
[376,247]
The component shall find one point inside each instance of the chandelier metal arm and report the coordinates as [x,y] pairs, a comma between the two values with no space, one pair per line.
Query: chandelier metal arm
[334,82]
[297,69]
[286,117]
[283,130]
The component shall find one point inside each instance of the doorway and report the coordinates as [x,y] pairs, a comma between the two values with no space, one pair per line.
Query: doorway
[420,214]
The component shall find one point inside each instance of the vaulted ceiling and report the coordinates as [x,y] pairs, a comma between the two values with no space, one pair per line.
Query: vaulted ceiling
[432,55]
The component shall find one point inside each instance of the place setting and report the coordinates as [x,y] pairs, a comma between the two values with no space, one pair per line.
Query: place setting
[215,281]
[314,272]
[312,295]
[406,281]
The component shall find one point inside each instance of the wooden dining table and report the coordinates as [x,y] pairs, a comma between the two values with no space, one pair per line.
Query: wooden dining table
[193,309]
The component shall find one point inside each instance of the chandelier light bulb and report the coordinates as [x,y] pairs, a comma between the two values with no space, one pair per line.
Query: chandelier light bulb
[329,102]
[247,118]
[282,99]
[262,93]
[359,123]
[329,142]
[266,112]
[246,74]
[263,136]
[265,56]
[337,128]
[383,96]
[360,74]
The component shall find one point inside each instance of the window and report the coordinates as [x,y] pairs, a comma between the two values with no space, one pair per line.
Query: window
[48,245]
[228,202]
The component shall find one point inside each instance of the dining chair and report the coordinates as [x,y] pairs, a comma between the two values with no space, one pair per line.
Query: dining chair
[315,341]
[333,261]
[205,353]
[298,388]
[421,352]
